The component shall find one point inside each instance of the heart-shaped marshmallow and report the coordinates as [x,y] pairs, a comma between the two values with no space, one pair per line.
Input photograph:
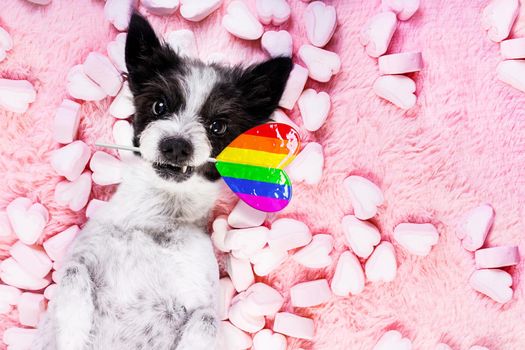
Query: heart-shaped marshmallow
[6,43]
[93,206]
[274,12]
[400,63]
[474,227]
[494,283]
[348,276]
[245,242]
[16,95]
[183,42]
[9,294]
[100,69]
[288,234]
[196,11]
[397,89]
[497,257]
[403,8]
[393,340]
[418,239]
[294,86]
[244,216]
[219,229]
[512,72]
[122,106]
[231,337]
[378,32]
[243,320]
[365,196]
[74,194]
[361,236]
[382,265]
[118,12]
[308,165]
[50,291]
[19,338]
[80,86]
[226,293]
[316,255]
[30,307]
[498,18]
[240,272]
[240,22]
[277,43]
[70,160]
[161,7]
[279,116]
[27,219]
[312,293]
[57,245]
[320,21]
[107,170]
[65,124]
[260,300]
[116,52]
[314,107]
[267,259]
[513,48]
[31,258]
[268,340]
[293,325]
[321,64]
[15,275]
[123,135]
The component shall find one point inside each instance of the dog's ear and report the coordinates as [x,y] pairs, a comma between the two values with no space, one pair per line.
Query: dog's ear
[144,53]
[262,86]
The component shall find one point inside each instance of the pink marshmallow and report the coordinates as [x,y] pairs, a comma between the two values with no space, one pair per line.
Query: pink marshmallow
[268,340]
[497,257]
[161,7]
[294,326]
[50,291]
[294,86]
[288,234]
[31,258]
[116,52]
[366,196]
[240,272]
[267,259]
[321,64]
[56,276]
[242,319]
[474,227]
[311,293]
[512,72]
[122,106]
[260,300]
[30,307]
[498,18]
[67,119]
[400,63]
[15,275]
[219,229]
[404,9]
[16,95]
[226,293]
[494,283]
[70,160]
[19,338]
[80,86]
[107,170]
[361,236]
[378,32]
[279,116]
[277,43]
[74,194]
[118,12]
[93,206]
[27,219]
[244,216]
[348,276]
[244,243]
[513,48]
[308,165]
[9,294]
[100,69]
[320,21]
[316,255]
[274,12]
[57,245]
[232,338]
[196,11]
[123,135]
[417,239]
[397,89]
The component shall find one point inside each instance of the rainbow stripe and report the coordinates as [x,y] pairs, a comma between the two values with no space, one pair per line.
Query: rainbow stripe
[252,165]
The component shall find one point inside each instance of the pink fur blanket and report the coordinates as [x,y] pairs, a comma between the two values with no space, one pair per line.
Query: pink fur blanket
[461,145]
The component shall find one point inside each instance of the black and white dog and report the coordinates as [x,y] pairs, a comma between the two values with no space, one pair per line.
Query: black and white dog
[142,273]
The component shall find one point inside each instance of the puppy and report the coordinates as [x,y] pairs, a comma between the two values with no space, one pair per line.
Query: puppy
[142,273]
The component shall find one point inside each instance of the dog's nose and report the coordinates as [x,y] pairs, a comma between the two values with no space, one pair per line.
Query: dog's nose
[176,150]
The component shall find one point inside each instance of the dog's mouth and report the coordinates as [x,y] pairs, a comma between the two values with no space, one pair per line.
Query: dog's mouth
[173,172]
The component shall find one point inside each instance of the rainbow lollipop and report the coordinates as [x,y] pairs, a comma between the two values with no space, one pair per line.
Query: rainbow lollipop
[252,165]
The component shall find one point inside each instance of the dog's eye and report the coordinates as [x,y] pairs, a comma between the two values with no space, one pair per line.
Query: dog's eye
[218,127]
[159,107]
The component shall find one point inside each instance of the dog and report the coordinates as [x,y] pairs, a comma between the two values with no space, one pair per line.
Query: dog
[142,272]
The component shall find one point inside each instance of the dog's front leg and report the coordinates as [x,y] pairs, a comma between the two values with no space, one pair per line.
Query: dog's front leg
[72,309]
[200,331]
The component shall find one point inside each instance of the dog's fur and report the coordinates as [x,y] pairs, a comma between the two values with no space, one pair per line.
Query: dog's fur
[142,273]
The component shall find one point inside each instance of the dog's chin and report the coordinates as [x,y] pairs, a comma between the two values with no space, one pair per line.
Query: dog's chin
[173,173]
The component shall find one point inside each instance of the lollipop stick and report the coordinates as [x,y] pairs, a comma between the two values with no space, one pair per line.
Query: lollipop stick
[133,149]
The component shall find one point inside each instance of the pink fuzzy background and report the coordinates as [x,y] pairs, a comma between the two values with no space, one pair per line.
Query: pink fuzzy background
[463,144]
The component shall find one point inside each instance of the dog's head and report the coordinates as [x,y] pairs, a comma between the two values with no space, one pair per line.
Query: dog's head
[187,111]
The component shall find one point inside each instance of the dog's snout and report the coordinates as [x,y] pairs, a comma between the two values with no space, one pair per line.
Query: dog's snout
[176,150]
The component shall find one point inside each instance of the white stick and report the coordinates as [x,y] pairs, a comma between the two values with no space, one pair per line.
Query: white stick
[133,149]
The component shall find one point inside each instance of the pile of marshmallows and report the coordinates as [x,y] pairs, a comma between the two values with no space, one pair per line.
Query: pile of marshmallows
[376,36]
[498,19]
